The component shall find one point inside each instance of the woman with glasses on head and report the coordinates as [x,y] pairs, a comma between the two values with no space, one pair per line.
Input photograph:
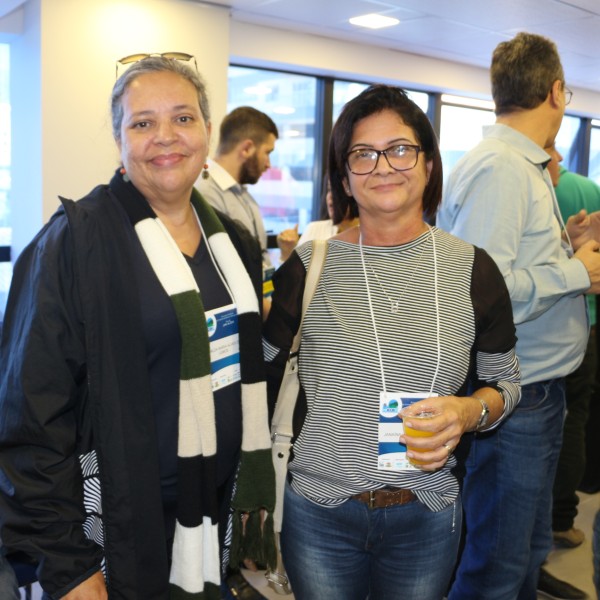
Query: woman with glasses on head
[403,315]
[132,385]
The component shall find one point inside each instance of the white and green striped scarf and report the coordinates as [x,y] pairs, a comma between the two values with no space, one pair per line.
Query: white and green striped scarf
[195,571]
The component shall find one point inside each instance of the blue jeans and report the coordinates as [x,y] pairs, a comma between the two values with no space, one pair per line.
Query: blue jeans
[349,552]
[507,499]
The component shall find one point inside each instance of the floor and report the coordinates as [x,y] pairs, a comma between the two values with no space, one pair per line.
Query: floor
[574,566]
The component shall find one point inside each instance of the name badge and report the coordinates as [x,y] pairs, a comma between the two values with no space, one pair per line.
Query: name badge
[392,453]
[222,324]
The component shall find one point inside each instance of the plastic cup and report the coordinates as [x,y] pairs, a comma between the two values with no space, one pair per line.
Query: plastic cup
[414,415]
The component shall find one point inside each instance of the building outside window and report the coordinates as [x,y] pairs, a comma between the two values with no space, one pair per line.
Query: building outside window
[461,129]
[566,140]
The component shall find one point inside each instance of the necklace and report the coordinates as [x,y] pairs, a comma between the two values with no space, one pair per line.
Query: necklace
[395,303]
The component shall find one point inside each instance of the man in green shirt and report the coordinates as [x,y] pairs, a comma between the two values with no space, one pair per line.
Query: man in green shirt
[577,196]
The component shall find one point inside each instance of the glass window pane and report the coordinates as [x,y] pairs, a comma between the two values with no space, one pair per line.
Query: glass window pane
[285,191]
[594,168]
[565,139]
[344,91]
[461,129]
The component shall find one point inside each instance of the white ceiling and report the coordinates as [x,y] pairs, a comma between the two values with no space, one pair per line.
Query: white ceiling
[464,31]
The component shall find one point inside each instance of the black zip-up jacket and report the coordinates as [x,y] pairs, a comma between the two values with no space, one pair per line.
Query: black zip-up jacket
[73,379]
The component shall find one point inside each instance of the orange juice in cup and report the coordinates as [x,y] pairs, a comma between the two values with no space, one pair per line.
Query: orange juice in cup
[414,415]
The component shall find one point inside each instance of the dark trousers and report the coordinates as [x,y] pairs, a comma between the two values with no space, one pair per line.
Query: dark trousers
[580,386]
[591,478]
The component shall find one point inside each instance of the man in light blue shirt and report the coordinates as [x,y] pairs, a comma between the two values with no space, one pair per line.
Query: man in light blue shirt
[500,197]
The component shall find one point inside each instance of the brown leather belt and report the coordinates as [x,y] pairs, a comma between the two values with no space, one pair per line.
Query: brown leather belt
[385,497]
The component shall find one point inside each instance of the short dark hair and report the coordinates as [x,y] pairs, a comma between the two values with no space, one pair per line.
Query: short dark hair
[154,64]
[523,71]
[376,99]
[244,123]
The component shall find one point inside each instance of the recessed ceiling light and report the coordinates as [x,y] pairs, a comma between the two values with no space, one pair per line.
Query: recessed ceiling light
[374,21]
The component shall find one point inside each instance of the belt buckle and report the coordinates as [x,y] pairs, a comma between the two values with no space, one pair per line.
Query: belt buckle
[371,499]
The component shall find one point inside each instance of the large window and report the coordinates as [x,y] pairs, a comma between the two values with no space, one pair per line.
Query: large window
[285,191]
[5,231]
[300,105]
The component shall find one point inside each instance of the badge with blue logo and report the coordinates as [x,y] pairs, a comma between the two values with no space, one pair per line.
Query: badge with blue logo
[392,453]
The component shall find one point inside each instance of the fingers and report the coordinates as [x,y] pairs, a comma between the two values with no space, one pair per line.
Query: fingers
[430,461]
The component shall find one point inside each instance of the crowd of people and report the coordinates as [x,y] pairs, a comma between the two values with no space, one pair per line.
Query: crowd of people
[140,361]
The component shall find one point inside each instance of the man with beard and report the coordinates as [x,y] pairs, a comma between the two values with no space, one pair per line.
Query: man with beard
[246,139]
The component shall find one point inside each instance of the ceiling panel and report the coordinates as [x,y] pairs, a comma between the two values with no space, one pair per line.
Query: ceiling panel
[459,30]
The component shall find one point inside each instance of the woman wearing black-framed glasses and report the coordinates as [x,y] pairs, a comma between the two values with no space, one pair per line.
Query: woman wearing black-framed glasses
[404,315]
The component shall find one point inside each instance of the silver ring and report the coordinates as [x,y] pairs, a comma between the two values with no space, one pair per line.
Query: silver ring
[449,448]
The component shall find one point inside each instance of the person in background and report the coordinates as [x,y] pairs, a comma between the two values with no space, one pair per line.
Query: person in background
[578,391]
[320,230]
[124,433]
[247,138]
[577,196]
[575,193]
[400,308]
[499,196]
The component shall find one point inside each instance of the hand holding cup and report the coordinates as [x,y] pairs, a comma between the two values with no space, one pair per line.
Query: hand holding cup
[419,423]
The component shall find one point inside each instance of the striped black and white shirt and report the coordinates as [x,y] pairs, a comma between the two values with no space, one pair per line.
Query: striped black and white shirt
[335,452]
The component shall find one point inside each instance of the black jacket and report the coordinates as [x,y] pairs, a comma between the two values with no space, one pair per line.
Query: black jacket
[73,379]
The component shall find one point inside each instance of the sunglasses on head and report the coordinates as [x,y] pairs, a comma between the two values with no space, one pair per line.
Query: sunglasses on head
[132,58]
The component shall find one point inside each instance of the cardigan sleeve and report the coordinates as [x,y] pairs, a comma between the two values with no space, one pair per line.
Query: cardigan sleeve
[495,356]
[42,389]
[283,321]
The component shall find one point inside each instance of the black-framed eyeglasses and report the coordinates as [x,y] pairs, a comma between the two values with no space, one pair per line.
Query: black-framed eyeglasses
[401,157]
[132,58]
[568,95]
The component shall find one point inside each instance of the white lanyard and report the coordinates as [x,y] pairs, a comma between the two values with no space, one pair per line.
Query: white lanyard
[437,311]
